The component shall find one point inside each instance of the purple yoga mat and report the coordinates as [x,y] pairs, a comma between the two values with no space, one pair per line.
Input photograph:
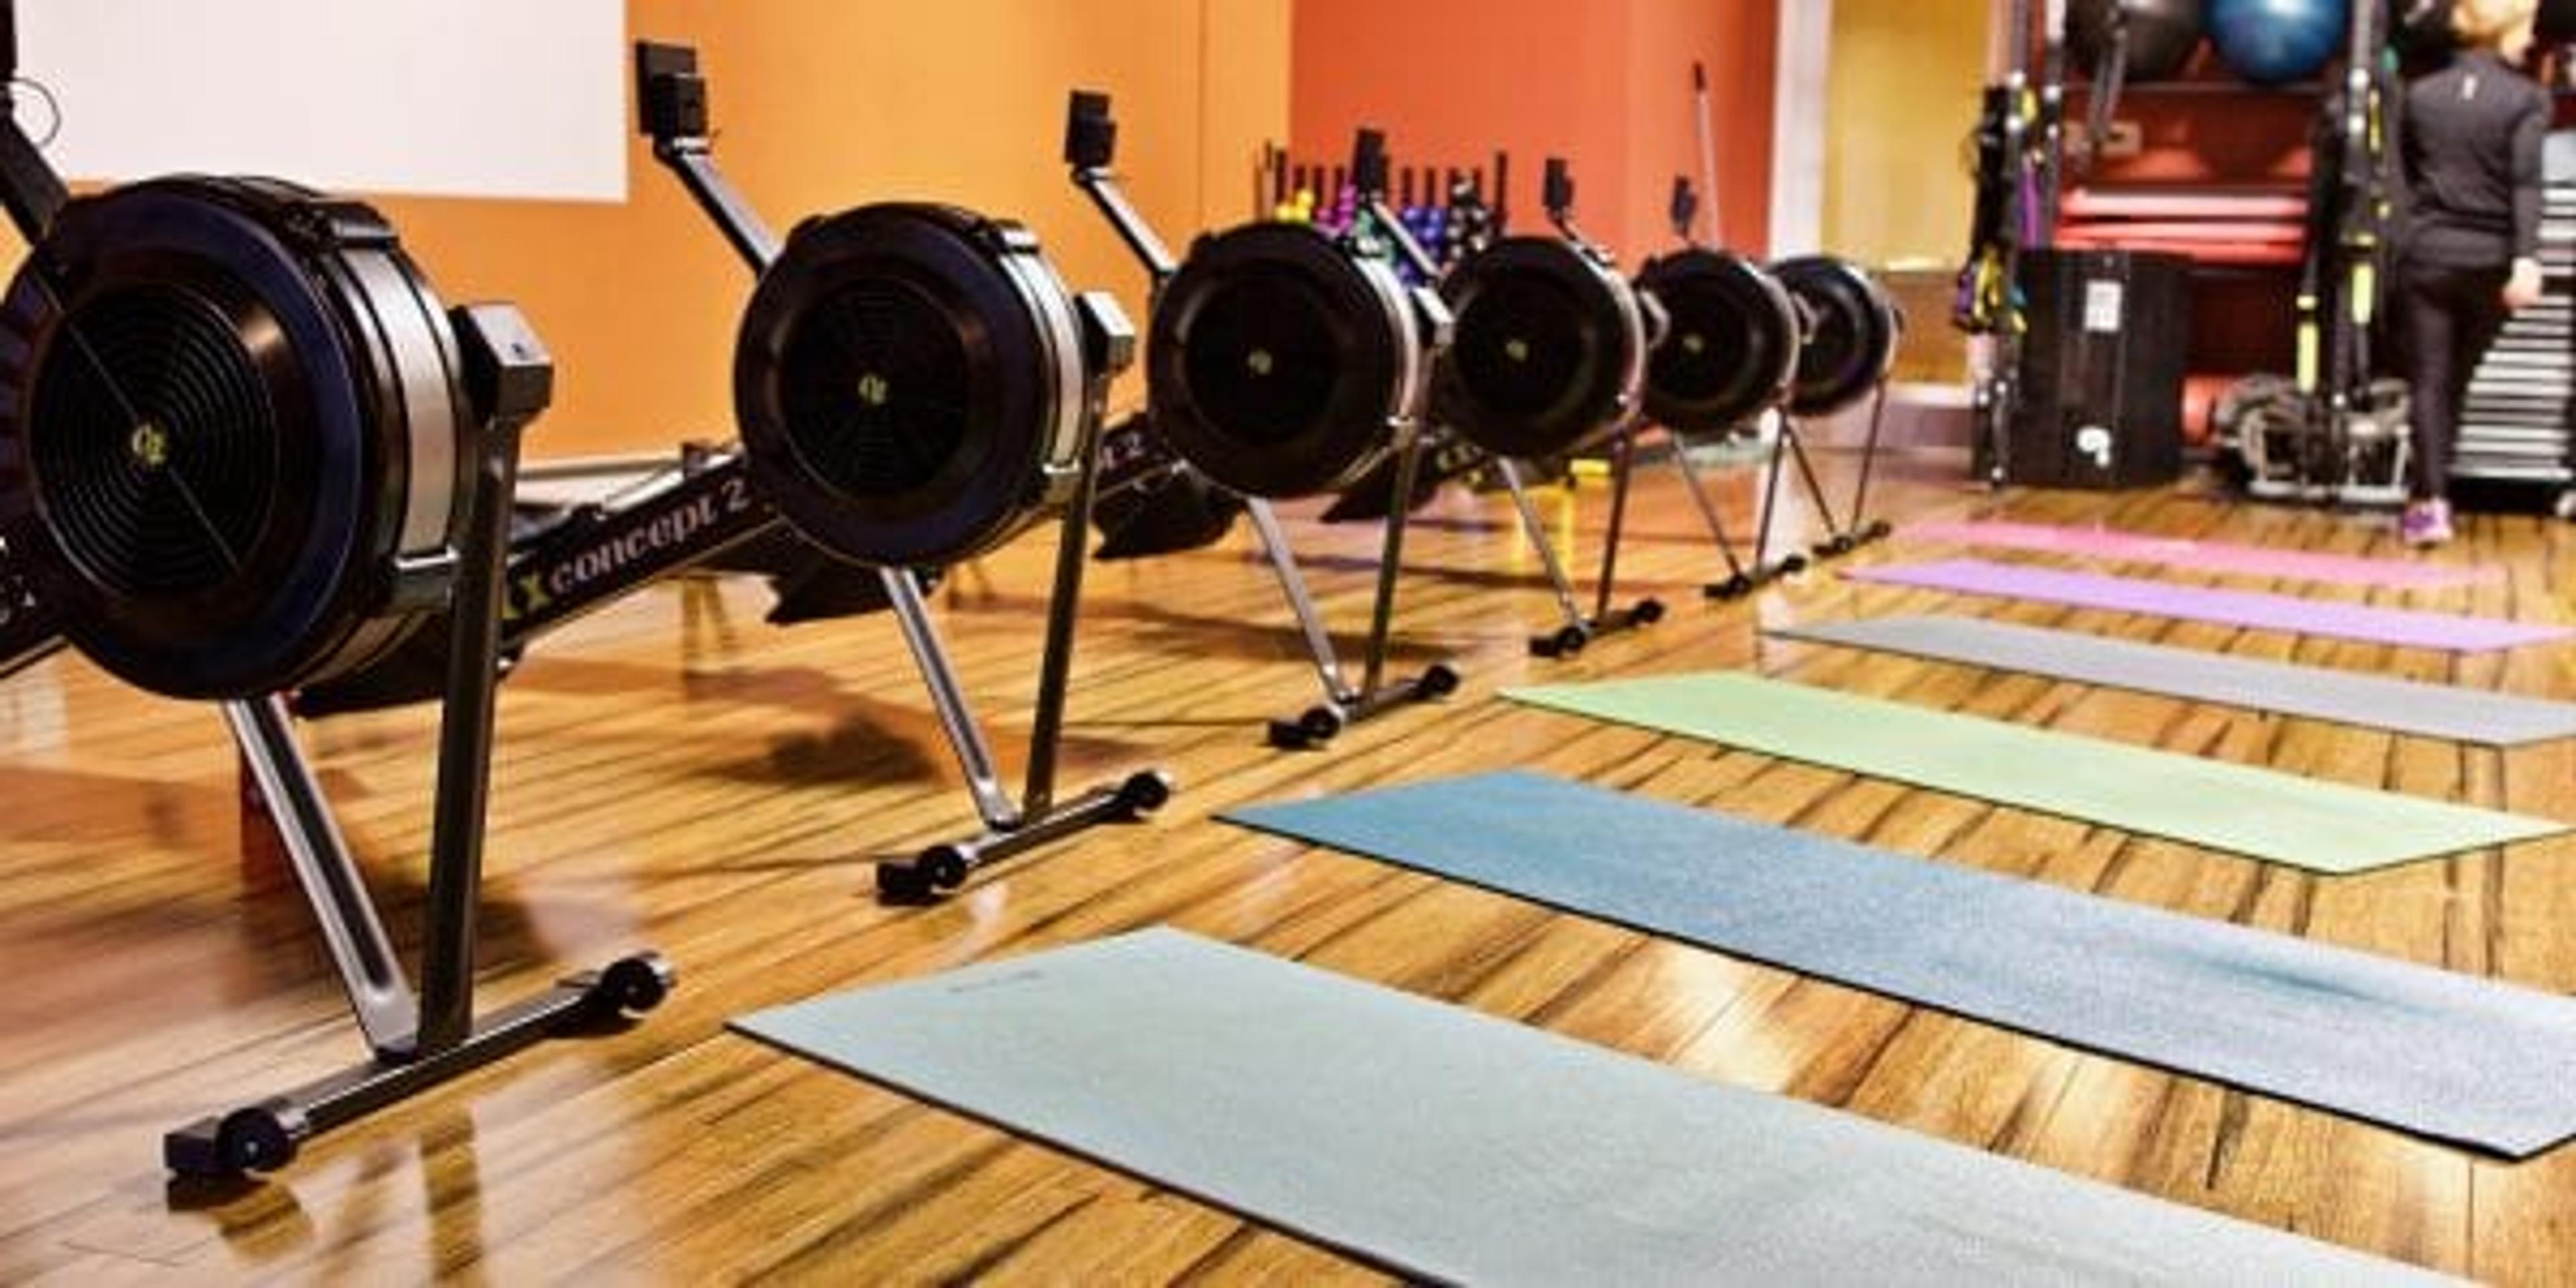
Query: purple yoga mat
[2227,607]
[2205,556]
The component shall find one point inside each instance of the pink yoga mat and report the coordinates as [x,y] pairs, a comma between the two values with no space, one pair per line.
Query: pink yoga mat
[2203,556]
[2287,613]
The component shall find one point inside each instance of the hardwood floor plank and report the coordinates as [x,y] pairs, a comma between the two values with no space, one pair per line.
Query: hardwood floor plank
[673,771]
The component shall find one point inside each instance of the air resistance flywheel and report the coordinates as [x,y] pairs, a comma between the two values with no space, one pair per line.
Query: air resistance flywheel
[1279,361]
[1731,346]
[1550,348]
[909,384]
[1853,327]
[232,434]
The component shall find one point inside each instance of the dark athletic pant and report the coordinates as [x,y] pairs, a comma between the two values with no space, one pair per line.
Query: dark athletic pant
[2449,317]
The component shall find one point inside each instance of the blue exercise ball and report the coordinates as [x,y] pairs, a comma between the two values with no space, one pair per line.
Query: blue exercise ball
[2270,42]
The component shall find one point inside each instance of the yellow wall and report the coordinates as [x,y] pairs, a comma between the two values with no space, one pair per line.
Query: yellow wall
[824,104]
[1901,97]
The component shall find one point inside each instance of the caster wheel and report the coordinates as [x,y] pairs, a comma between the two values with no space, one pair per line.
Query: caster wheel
[1648,612]
[256,1139]
[1322,724]
[635,985]
[1879,530]
[1567,642]
[1793,565]
[1735,587]
[902,883]
[945,866]
[1144,793]
[1318,726]
[1438,682]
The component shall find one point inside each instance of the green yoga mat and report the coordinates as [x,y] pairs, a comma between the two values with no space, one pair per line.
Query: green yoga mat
[1452,1147]
[2260,813]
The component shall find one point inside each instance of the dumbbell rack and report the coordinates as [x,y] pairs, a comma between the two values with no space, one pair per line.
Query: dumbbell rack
[2514,428]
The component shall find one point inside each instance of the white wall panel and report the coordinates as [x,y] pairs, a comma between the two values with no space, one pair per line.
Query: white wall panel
[482,98]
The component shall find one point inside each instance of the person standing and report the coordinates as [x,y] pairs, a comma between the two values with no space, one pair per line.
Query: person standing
[2471,143]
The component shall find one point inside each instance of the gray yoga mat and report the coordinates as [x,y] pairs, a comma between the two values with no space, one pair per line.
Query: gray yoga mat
[2344,697]
[1447,1145]
[2442,1055]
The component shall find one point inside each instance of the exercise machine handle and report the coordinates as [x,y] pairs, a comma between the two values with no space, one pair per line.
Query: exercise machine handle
[671,103]
[1684,209]
[1090,145]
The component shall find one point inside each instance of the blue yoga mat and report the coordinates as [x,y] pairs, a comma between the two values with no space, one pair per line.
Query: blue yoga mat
[1453,1147]
[2442,1055]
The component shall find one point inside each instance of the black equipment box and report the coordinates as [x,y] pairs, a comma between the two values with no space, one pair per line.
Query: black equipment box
[2100,403]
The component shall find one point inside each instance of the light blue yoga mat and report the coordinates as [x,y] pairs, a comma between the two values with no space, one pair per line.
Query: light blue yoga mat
[2438,1054]
[1450,1146]
[2317,693]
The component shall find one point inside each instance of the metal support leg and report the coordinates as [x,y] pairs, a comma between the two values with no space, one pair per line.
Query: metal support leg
[1837,542]
[1578,630]
[1039,818]
[1301,602]
[1765,571]
[510,378]
[993,801]
[1865,530]
[1345,706]
[1390,567]
[380,997]
[1740,581]
[1623,474]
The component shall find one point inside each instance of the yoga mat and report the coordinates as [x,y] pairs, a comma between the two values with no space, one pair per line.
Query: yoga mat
[2204,556]
[1449,1146]
[2345,697]
[2227,607]
[2447,1056]
[2324,827]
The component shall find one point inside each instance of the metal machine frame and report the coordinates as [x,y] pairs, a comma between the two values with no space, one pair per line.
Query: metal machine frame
[416,1039]
[1090,149]
[672,100]
[1578,628]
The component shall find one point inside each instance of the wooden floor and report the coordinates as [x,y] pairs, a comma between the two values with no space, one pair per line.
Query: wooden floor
[675,773]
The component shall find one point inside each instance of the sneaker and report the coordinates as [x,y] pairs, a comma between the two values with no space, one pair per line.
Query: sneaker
[2426,523]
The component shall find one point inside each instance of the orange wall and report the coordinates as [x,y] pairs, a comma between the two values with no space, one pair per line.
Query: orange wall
[824,104]
[1605,84]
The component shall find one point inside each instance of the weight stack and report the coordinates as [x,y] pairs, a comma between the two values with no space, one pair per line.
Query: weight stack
[2101,369]
[2515,427]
